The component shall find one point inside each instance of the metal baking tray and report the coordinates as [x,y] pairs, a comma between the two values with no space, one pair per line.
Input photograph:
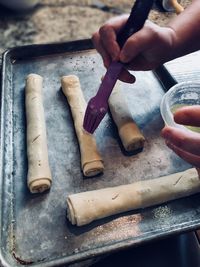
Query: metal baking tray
[34,229]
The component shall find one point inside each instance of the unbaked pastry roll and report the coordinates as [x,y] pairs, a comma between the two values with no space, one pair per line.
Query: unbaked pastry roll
[91,161]
[130,135]
[85,207]
[39,174]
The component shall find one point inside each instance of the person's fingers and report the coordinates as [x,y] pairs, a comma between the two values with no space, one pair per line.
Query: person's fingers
[126,76]
[100,48]
[188,115]
[109,41]
[108,35]
[118,22]
[188,157]
[152,42]
[137,43]
[185,140]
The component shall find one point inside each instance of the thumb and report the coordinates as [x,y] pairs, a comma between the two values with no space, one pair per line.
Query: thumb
[188,115]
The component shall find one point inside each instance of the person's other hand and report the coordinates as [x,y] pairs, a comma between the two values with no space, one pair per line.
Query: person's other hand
[144,50]
[184,143]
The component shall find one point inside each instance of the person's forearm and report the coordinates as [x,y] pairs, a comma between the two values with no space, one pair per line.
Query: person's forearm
[187,30]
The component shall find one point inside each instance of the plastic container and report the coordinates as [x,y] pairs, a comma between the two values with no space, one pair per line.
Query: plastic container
[181,94]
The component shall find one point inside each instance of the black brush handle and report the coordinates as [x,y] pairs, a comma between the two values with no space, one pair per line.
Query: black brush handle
[165,77]
[136,20]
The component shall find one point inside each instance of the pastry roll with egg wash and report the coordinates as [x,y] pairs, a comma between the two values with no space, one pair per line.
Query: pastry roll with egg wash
[85,207]
[91,161]
[130,135]
[39,176]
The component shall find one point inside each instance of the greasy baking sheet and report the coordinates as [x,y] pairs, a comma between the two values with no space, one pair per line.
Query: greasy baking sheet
[34,228]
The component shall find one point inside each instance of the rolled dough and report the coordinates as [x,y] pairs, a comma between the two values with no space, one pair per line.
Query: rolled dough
[39,174]
[85,207]
[130,135]
[91,161]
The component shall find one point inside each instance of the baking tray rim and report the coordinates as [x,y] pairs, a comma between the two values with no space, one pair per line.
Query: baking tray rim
[106,249]
[42,50]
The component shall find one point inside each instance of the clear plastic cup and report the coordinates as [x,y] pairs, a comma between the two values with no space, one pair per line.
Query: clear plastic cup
[181,94]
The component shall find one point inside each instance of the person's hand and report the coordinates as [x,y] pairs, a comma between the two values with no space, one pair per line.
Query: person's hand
[184,143]
[144,50]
